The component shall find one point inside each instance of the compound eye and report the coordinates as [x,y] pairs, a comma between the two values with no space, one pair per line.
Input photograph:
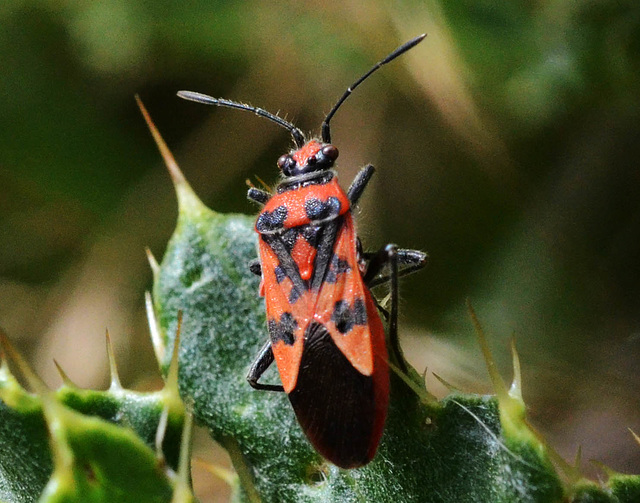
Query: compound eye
[330,152]
[283,161]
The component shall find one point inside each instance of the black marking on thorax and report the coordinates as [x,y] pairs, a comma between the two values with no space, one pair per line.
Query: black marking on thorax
[297,182]
[318,210]
[270,221]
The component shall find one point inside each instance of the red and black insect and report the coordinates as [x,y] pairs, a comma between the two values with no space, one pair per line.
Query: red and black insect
[326,334]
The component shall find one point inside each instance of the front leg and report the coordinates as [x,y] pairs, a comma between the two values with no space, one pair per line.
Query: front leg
[258,196]
[262,362]
[360,183]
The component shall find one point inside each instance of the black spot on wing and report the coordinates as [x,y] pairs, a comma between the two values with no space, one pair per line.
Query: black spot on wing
[322,210]
[346,316]
[294,295]
[270,221]
[280,274]
[334,403]
[336,267]
[283,330]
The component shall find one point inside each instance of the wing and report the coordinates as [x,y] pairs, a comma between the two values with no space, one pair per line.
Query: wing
[289,306]
[327,339]
[344,305]
[342,390]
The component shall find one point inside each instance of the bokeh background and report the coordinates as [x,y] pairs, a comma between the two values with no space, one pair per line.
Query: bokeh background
[507,146]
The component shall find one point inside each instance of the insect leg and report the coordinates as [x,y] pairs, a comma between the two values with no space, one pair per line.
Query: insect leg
[360,183]
[389,256]
[255,267]
[258,196]
[409,261]
[259,366]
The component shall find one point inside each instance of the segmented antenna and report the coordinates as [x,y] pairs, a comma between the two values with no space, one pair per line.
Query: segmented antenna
[297,135]
[326,132]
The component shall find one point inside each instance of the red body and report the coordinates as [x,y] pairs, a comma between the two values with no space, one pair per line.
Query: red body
[326,334]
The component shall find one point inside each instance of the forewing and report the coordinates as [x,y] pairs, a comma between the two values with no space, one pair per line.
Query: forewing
[343,303]
[288,310]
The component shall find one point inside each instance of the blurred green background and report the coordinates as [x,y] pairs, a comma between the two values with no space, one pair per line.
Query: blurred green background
[507,147]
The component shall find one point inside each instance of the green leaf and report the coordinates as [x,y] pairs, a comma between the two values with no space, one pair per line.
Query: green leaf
[97,461]
[625,487]
[25,461]
[80,445]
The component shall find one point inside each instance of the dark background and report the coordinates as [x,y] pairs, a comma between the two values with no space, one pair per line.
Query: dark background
[507,146]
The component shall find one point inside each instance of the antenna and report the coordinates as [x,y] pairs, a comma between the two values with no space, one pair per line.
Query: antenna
[297,135]
[326,132]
